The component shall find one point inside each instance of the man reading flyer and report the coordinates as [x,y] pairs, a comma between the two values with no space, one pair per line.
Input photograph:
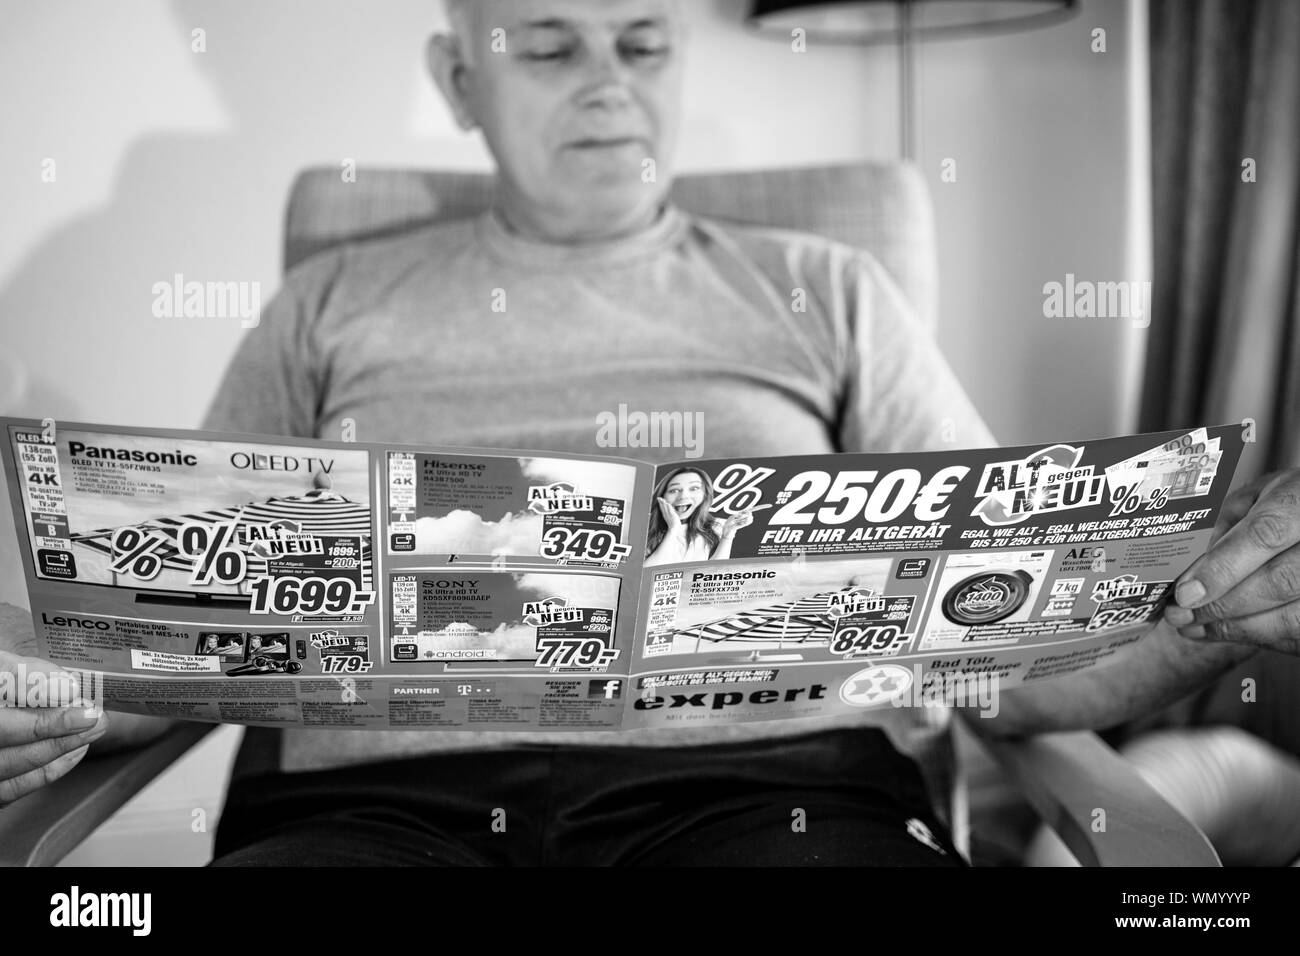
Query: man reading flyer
[612,295]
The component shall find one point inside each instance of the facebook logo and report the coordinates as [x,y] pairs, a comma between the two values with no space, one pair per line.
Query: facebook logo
[611,689]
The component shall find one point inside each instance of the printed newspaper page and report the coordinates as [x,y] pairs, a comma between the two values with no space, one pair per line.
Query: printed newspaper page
[843,582]
[286,582]
[283,583]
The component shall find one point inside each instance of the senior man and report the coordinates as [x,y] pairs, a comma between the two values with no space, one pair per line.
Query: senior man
[612,295]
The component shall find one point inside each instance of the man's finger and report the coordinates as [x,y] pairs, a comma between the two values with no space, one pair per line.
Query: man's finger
[16,632]
[15,787]
[1273,585]
[1237,505]
[20,760]
[1277,629]
[1270,527]
[69,680]
[25,725]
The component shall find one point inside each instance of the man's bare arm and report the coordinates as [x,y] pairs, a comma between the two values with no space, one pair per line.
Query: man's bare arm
[1161,669]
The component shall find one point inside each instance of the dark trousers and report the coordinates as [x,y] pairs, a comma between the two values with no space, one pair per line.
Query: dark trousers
[839,797]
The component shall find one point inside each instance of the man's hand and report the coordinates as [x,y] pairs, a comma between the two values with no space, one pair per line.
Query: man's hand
[1246,588]
[38,745]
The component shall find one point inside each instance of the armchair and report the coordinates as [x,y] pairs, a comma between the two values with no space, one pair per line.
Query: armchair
[883,208]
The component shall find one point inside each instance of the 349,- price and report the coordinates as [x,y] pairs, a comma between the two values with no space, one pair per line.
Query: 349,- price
[583,544]
[857,495]
[290,595]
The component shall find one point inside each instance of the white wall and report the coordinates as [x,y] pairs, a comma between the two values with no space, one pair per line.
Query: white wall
[1050,180]
[173,161]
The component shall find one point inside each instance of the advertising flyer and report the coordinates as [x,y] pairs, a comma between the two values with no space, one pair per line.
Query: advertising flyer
[289,582]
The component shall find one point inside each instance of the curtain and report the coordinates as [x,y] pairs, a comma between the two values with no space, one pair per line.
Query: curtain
[1224,340]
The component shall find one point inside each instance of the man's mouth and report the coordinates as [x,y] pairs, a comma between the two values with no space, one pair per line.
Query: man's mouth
[604,142]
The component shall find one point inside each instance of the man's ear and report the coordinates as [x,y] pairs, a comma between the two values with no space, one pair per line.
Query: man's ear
[447,67]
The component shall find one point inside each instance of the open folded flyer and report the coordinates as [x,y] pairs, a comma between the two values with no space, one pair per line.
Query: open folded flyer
[287,582]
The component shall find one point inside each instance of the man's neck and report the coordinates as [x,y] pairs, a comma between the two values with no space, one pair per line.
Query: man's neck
[581,229]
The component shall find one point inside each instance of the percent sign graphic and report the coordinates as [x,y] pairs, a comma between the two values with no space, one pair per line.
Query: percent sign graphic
[208,546]
[739,488]
[137,553]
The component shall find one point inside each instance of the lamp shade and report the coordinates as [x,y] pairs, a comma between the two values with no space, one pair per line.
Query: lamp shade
[881,21]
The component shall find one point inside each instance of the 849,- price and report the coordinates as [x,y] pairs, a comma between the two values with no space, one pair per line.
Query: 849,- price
[289,595]
[869,639]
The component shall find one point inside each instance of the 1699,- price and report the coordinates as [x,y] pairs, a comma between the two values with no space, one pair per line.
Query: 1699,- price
[291,595]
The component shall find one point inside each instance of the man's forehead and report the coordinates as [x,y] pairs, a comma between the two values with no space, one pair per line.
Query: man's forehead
[606,13]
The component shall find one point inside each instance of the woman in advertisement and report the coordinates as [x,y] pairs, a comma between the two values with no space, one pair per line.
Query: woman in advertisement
[681,528]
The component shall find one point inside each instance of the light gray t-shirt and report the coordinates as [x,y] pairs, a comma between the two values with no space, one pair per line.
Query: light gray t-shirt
[465,333]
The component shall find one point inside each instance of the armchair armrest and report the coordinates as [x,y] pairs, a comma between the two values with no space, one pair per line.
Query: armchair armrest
[43,827]
[1067,776]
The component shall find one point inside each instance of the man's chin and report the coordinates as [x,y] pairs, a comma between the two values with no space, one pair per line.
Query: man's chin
[618,209]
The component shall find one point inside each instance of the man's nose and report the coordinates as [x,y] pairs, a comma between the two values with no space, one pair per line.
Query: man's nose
[605,84]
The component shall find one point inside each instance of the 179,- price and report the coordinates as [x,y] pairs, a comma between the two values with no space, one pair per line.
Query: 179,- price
[851,495]
[344,664]
[289,595]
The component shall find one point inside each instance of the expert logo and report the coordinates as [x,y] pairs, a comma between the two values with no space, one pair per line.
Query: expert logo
[875,685]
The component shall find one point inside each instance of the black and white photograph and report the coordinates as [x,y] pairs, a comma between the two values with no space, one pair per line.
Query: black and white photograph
[324,325]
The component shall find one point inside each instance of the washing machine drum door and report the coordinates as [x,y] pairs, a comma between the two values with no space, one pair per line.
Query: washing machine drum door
[987,597]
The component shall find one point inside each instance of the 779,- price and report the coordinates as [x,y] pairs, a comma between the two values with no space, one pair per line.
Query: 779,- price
[290,595]
[851,495]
